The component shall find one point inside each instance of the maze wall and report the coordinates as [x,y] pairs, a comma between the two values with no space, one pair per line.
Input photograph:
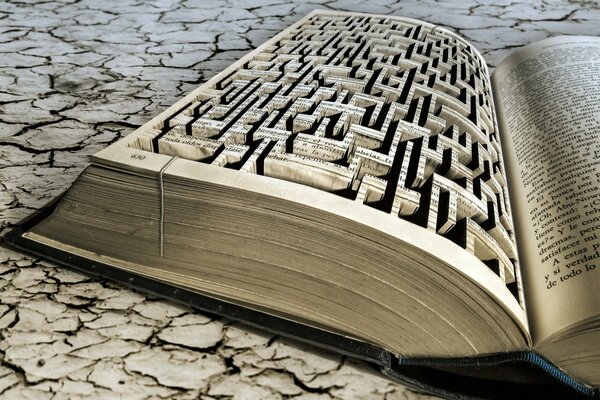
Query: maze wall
[380,111]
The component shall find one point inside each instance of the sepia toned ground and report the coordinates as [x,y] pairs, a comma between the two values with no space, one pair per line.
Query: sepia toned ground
[77,76]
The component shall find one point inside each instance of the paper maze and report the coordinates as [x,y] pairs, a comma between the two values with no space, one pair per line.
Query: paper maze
[395,115]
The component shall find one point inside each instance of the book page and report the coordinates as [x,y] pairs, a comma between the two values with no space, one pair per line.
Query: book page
[548,101]
[384,115]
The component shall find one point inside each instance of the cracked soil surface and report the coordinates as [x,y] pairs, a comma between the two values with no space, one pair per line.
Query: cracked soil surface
[78,75]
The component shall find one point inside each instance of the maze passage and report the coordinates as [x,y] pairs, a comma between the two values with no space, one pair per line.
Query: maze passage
[380,111]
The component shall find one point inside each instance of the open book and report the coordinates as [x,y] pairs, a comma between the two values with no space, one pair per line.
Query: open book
[362,183]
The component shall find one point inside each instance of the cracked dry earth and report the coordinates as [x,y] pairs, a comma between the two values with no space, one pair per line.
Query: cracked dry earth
[76,76]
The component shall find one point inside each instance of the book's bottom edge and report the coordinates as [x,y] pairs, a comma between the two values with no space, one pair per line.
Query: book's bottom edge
[525,375]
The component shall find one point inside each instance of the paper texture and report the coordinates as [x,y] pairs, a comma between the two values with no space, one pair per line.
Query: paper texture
[548,97]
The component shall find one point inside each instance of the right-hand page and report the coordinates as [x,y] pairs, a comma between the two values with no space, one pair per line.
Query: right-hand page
[547,98]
